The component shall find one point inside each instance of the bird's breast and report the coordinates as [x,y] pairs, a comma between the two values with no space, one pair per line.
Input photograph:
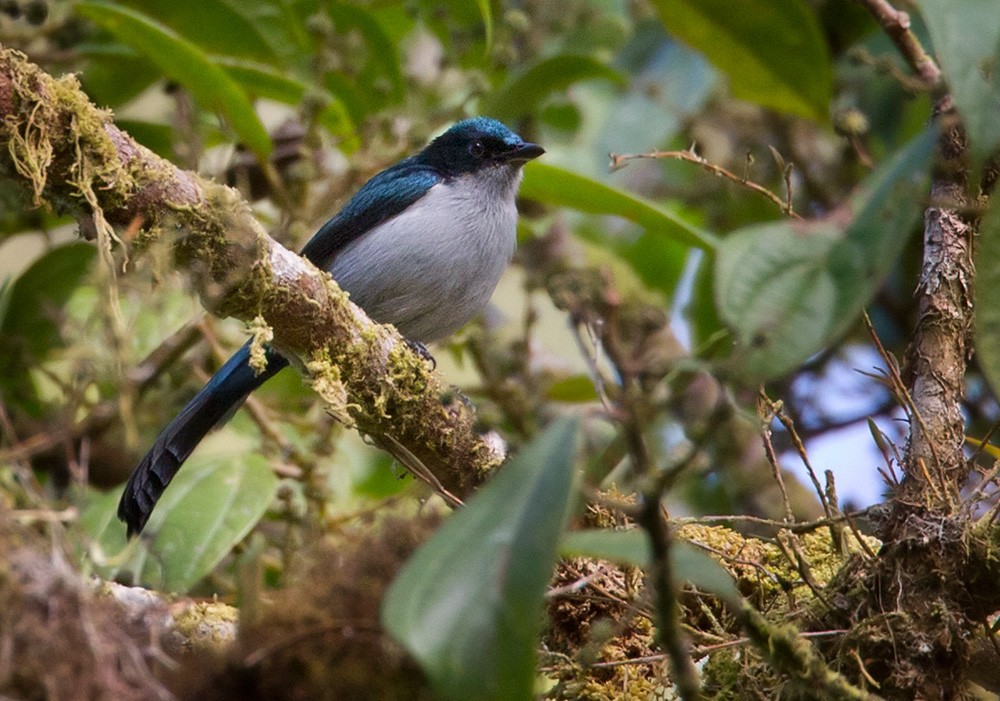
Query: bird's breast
[433,267]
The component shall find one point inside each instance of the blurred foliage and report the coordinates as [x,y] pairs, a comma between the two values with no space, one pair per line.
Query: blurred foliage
[210,506]
[689,285]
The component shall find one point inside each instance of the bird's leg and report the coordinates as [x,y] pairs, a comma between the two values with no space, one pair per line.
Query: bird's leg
[421,350]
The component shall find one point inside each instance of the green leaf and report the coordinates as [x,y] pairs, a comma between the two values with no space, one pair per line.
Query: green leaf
[562,188]
[263,81]
[966,38]
[468,604]
[487,12]
[295,16]
[209,507]
[657,260]
[522,93]
[186,63]
[39,293]
[115,73]
[707,330]
[31,325]
[575,388]
[773,51]
[159,138]
[381,49]
[631,547]
[987,309]
[625,547]
[216,26]
[787,288]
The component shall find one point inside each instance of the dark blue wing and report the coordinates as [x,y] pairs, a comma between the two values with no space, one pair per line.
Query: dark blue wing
[383,197]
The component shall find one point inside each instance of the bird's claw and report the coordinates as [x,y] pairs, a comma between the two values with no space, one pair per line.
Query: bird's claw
[421,350]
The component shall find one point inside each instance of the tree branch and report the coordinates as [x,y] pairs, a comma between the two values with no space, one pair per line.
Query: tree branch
[71,156]
[940,348]
[896,24]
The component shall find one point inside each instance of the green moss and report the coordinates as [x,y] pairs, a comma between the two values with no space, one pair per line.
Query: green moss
[207,625]
[407,372]
[325,380]
[262,335]
[825,558]
[721,675]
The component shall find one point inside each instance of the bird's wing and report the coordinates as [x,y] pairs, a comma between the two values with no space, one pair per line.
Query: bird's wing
[380,199]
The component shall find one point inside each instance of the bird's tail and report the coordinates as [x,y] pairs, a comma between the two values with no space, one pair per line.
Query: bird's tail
[217,401]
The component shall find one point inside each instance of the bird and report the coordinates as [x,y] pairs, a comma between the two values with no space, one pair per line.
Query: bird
[421,246]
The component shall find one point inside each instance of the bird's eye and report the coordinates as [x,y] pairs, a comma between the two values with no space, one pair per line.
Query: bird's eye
[477,149]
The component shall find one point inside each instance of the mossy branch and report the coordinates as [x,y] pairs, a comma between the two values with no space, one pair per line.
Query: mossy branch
[792,655]
[70,155]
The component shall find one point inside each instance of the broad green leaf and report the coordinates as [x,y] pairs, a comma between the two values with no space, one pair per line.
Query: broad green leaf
[250,29]
[295,16]
[625,547]
[159,138]
[966,38]
[39,293]
[115,73]
[347,91]
[186,63]
[468,604]
[562,188]
[382,54]
[209,507]
[575,388]
[773,51]
[788,288]
[522,93]
[988,448]
[707,330]
[283,29]
[30,325]
[987,309]
[659,261]
[487,12]
[631,547]
[263,81]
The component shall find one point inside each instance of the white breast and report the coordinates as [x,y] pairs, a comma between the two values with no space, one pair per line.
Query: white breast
[432,268]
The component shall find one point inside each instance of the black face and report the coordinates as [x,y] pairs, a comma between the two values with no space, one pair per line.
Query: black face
[475,144]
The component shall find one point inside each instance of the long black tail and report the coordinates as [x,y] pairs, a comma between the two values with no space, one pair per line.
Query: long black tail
[217,400]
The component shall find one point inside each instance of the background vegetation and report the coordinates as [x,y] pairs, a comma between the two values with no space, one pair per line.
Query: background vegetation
[716,273]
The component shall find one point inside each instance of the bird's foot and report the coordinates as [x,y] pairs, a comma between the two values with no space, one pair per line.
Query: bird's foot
[453,395]
[421,350]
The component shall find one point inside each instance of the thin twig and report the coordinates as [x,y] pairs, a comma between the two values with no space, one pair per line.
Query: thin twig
[896,25]
[684,674]
[890,67]
[590,356]
[772,459]
[777,410]
[795,657]
[618,160]
[102,415]
[739,642]
[412,463]
[798,527]
[33,489]
[898,386]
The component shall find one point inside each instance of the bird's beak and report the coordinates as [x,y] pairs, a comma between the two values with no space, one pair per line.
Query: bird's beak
[524,153]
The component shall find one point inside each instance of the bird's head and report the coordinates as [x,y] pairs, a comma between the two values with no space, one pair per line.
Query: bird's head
[478,144]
